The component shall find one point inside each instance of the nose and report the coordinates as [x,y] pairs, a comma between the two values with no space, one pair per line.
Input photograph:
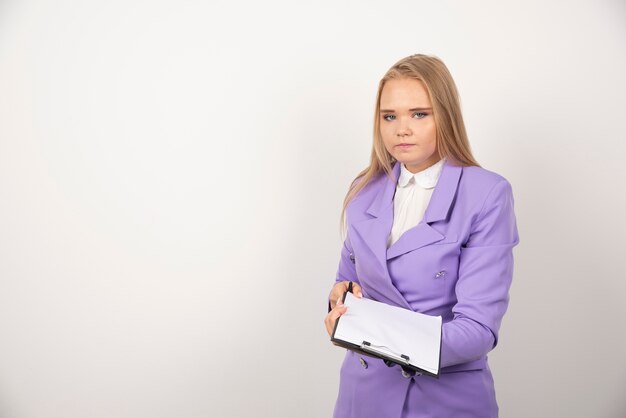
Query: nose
[403,127]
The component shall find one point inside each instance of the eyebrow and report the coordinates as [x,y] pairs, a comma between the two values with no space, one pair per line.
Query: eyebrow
[410,110]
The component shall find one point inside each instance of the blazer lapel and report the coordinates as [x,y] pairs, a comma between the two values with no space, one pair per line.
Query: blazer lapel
[373,233]
[437,210]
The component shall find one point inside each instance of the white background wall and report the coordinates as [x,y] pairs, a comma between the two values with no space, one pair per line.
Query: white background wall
[172,173]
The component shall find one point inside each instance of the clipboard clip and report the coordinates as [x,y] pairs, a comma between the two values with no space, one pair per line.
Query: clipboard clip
[382,350]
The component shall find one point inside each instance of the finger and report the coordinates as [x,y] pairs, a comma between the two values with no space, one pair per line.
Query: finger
[338,290]
[339,302]
[332,316]
[356,289]
[330,324]
[333,301]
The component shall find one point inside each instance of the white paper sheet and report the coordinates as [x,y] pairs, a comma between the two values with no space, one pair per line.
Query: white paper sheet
[392,330]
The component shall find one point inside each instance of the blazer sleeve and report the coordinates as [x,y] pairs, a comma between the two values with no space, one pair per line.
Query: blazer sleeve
[347,266]
[484,279]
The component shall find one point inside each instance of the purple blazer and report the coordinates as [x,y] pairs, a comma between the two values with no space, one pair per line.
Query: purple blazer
[457,263]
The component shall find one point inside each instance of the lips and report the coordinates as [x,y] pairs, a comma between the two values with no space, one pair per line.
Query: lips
[404,145]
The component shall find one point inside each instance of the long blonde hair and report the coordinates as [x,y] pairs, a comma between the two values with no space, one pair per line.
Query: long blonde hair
[451,137]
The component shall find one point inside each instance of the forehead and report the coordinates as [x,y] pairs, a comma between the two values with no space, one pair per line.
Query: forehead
[404,93]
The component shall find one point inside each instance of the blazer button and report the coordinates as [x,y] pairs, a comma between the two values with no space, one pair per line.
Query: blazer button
[406,374]
[363,362]
[352,257]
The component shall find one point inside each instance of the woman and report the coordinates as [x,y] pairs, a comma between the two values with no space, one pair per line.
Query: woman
[431,231]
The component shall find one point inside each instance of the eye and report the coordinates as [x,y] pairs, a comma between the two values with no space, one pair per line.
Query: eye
[389,116]
[420,113]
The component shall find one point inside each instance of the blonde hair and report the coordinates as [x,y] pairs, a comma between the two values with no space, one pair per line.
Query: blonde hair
[451,137]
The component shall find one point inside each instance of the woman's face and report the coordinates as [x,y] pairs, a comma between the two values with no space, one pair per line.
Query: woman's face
[407,125]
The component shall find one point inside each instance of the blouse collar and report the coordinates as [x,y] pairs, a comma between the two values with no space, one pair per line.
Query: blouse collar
[426,178]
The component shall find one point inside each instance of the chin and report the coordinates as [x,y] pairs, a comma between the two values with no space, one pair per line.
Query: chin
[411,161]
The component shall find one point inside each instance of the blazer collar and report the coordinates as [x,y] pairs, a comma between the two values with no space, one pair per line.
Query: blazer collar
[440,201]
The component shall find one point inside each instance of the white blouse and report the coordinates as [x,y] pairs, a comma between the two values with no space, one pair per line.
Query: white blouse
[413,193]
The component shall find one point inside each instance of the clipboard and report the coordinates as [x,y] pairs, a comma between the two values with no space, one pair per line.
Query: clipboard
[396,335]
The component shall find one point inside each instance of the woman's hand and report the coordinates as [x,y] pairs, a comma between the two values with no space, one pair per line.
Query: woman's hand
[337,306]
[340,288]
